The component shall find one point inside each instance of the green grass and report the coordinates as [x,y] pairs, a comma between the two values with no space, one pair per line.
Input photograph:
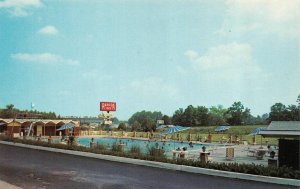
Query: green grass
[236,130]
[241,131]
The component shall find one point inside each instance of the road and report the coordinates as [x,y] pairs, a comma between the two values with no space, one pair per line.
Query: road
[28,168]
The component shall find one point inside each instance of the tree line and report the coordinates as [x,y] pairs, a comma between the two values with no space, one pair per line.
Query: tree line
[193,116]
[11,112]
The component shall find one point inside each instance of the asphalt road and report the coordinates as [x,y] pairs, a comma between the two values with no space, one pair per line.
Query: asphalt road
[29,168]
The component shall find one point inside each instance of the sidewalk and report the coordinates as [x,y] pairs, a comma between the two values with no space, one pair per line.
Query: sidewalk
[7,185]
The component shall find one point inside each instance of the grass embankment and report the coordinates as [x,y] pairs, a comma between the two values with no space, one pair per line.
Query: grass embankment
[158,155]
[242,132]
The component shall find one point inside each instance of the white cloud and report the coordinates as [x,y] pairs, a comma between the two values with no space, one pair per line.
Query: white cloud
[48,30]
[20,7]
[264,16]
[153,87]
[226,72]
[229,61]
[43,58]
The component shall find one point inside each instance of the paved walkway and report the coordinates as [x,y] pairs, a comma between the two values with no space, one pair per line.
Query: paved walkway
[241,154]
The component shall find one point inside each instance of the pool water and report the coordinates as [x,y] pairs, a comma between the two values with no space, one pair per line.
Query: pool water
[144,145]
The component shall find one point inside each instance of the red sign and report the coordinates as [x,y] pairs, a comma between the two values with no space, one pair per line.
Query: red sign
[108,106]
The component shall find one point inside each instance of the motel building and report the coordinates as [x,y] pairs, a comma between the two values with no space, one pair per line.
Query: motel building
[38,127]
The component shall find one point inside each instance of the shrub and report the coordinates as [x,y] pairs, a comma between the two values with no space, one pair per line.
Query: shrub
[136,150]
[101,147]
[116,147]
[156,152]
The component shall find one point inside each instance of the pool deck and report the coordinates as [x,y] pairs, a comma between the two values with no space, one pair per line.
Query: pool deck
[242,153]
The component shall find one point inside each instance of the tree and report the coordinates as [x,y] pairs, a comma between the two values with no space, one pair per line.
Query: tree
[148,125]
[278,112]
[265,117]
[167,120]
[9,112]
[122,126]
[292,113]
[217,115]
[189,116]
[141,116]
[115,120]
[201,114]
[136,126]
[258,120]
[237,114]
[246,116]
[177,118]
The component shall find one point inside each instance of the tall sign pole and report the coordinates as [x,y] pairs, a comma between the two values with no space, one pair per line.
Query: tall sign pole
[106,108]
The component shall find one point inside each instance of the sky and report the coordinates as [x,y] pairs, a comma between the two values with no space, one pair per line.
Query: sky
[68,55]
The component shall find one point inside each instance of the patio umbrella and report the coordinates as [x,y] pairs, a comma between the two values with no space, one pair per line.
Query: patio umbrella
[161,127]
[66,126]
[222,128]
[256,132]
[164,126]
[174,129]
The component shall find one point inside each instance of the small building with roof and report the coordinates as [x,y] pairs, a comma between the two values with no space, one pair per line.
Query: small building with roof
[43,127]
[282,129]
[288,133]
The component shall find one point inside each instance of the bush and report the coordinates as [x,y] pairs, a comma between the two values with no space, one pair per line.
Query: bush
[136,150]
[156,152]
[101,147]
[116,147]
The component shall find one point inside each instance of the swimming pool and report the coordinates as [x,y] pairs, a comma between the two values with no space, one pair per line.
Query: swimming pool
[144,145]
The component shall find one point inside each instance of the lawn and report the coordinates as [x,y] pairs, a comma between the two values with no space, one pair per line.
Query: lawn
[241,131]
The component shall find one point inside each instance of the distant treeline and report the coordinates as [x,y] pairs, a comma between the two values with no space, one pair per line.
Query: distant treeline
[11,112]
[193,116]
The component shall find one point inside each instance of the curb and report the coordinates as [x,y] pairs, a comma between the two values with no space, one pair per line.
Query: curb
[184,168]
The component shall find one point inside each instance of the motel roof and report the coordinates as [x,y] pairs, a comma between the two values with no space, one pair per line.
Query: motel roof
[282,129]
[45,121]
